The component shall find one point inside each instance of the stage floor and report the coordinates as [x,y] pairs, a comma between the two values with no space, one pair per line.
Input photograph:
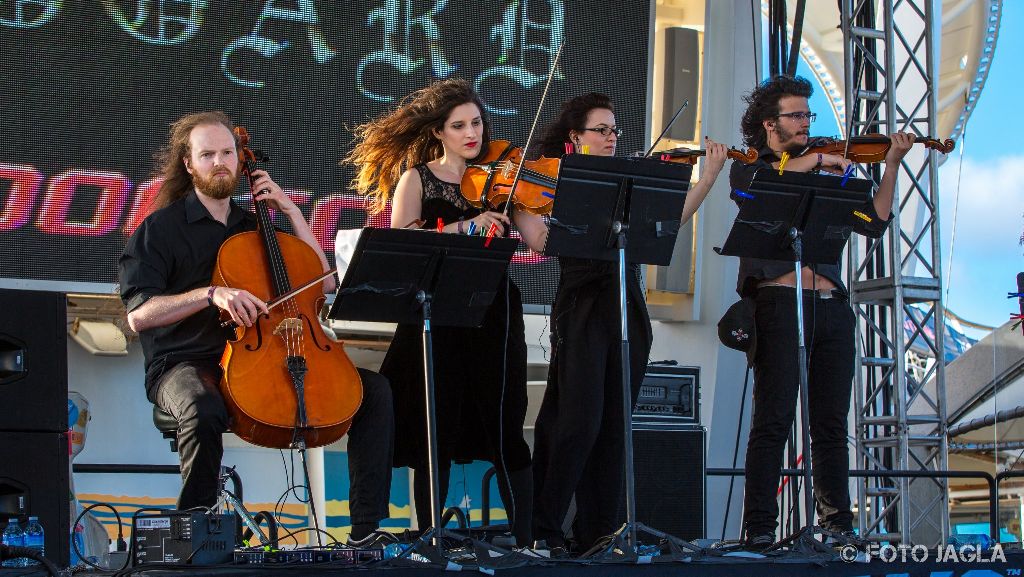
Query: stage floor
[784,564]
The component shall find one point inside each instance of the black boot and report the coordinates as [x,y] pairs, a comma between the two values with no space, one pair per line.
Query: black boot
[516,489]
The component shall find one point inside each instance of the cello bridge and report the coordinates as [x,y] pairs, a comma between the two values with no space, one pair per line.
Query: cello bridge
[289,324]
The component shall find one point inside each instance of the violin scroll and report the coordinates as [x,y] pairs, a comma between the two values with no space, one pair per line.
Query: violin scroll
[943,146]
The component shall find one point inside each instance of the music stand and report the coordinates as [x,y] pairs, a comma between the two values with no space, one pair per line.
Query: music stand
[619,209]
[415,276]
[783,210]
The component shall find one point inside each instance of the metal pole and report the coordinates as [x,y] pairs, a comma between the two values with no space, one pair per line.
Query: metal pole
[627,397]
[801,359]
[428,374]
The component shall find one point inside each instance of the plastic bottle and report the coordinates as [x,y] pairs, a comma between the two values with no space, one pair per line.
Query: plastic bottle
[35,539]
[14,537]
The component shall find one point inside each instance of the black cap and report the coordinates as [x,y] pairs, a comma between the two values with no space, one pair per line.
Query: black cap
[737,329]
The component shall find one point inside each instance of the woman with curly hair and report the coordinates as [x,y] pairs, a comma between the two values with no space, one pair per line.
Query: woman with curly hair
[579,435]
[414,156]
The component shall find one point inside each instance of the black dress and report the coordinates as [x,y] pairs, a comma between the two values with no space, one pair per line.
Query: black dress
[479,374]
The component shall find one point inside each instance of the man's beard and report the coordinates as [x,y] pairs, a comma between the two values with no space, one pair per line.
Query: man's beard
[790,145]
[217,186]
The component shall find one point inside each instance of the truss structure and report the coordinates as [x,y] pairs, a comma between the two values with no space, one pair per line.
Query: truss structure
[891,69]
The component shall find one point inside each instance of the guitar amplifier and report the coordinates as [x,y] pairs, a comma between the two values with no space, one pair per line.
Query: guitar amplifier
[669,394]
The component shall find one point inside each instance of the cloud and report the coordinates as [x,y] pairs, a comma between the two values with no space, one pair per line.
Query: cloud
[989,219]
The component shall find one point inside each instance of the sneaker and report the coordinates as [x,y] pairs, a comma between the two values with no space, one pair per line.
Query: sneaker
[759,542]
[375,540]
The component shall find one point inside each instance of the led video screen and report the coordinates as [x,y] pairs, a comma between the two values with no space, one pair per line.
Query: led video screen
[90,87]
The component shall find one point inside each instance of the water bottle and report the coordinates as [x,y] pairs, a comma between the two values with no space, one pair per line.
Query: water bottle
[13,537]
[35,539]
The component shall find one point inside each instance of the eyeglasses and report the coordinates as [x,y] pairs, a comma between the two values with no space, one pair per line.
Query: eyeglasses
[799,116]
[606,131]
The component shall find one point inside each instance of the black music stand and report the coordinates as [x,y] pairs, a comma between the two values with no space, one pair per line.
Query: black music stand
[600,204]
[415,276]
[782,211]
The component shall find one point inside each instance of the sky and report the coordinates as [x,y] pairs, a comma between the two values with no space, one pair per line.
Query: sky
[987,254]
[989,210]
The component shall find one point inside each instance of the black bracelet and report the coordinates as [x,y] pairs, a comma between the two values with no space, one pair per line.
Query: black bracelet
[817,167]
[209,295]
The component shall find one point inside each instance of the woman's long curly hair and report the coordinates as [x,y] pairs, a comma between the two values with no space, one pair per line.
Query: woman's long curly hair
[763,104]
[169,164]
[573,116]
[387,146]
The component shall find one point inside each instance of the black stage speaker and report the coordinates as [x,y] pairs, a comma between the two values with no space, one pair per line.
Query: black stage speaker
[34,481]
[669,467]
[33,361]
[682,81]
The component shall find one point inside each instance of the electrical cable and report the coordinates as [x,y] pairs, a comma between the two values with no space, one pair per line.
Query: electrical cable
[121,545]
[735,452]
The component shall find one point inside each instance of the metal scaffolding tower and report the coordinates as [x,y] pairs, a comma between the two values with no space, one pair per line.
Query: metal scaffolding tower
[891,62]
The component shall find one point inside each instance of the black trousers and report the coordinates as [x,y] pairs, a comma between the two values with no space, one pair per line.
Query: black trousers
[829,339]
[188,391]
[579,438]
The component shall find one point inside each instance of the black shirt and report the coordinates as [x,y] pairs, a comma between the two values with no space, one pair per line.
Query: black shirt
[174,251]
[754,270]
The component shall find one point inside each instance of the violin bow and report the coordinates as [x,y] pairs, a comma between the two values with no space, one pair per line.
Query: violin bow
[667,127]
[529,138]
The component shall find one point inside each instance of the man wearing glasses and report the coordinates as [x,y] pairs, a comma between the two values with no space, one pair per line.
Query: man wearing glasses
[777,123]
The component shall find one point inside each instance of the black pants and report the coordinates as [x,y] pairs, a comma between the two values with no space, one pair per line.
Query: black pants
[829,339]
[579,435]
[188,391]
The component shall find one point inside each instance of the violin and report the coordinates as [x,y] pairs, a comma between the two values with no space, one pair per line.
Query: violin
[489,179]
[690,156]
[284,384]
[869,148]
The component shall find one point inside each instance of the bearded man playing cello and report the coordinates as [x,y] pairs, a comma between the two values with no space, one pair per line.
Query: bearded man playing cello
[165,274]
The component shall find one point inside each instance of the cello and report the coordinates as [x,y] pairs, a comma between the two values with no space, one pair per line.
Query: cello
[285,384]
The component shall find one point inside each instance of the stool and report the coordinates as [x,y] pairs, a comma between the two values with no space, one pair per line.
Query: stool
[167,425]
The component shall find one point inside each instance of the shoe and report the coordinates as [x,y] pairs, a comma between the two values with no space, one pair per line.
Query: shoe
[375,540]
[841,537]
[759,542]
[552,551]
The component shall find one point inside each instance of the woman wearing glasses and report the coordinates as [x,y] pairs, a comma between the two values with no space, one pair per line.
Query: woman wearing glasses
[579,435]
[414,157]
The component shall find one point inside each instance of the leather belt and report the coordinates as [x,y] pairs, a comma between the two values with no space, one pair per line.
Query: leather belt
[823,294]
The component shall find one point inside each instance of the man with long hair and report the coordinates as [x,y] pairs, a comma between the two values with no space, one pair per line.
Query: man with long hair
[165,274]
[777,122]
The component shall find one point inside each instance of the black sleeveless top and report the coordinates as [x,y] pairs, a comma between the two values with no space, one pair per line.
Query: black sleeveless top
[442,200]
